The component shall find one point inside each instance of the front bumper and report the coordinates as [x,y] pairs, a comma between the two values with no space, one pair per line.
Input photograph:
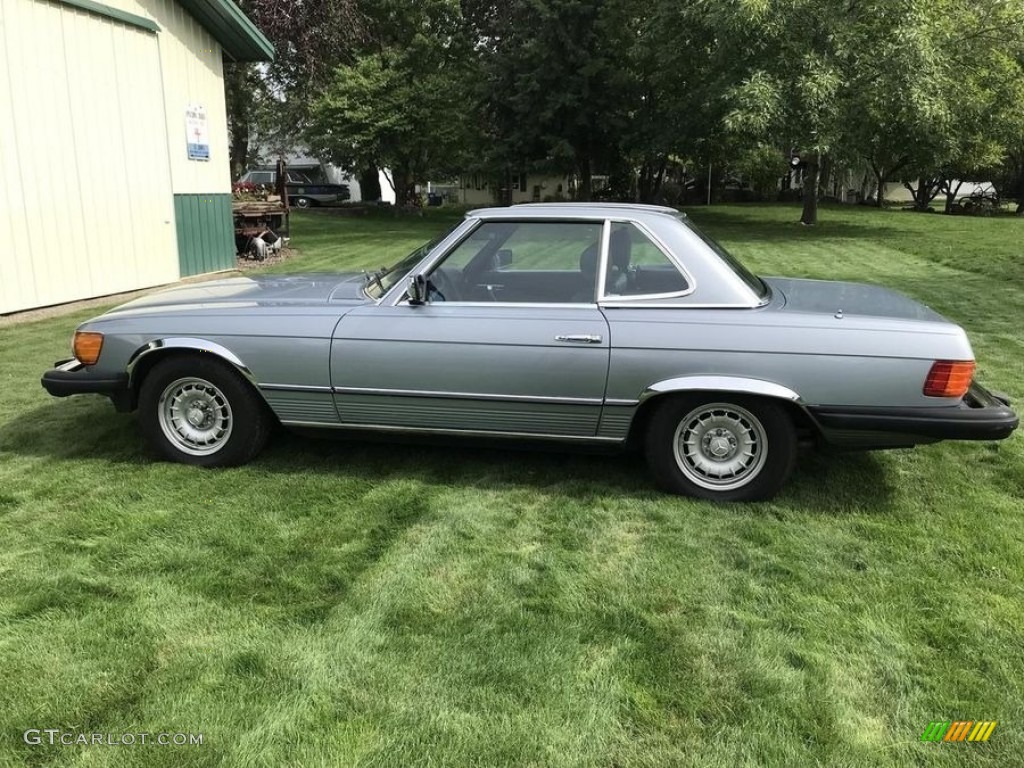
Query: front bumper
[981,415]
[70,377]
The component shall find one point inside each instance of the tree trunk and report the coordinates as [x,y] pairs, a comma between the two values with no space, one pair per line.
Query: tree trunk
[369,183]
[865,187]
[401,182]
[652,175]
[238,100]
[881,181]
[239,151]
[585,190]
[920,194]
[645,184]
[951,193]
[826,176]
[659,179]
[812,174]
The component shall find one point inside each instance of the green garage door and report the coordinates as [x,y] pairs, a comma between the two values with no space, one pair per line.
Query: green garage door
[206,239]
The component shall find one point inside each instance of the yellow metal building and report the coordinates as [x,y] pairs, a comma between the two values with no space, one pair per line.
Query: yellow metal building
[114,171]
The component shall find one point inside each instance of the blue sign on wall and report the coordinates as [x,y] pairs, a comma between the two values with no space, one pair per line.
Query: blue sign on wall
[197,132]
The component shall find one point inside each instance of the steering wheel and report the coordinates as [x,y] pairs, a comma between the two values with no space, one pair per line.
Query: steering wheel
[441,287]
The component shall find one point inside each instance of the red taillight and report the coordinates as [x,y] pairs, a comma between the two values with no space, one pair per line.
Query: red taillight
[949,378]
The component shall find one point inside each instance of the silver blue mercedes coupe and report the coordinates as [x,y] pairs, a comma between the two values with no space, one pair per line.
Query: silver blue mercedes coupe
[601,324]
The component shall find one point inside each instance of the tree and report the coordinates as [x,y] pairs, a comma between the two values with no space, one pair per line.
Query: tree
[555,82]
[931,91]
[891,78]
[680,66]
[791,95]
[401,106]
[310,39]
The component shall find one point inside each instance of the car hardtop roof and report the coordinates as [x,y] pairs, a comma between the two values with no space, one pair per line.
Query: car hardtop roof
[555,210]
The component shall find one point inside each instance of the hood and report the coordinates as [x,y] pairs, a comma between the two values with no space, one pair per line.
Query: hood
[854,299]
[263,290]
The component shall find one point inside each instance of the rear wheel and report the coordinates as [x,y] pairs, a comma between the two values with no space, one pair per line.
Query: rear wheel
[199,410]
[302,202]
[721,447]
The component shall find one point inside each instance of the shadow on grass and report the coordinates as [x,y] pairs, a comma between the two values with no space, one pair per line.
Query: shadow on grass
[88,429]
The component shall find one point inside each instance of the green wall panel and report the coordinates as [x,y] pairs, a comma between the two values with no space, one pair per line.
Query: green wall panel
[206,234]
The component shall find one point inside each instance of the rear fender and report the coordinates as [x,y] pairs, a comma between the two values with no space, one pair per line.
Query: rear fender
[734,384]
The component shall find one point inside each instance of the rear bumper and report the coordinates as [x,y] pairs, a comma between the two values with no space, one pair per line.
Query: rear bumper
[70,377]
[981,415]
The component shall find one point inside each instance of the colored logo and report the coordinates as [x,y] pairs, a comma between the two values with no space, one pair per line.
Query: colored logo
[959,730]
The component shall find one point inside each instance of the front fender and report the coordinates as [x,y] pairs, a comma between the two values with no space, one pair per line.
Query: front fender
[190,344]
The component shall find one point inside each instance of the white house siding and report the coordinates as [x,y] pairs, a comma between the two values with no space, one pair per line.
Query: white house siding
[85,203]
[191,63]
[469,194]
[193,73]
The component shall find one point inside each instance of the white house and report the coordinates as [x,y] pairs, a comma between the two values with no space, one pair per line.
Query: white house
[477,189]
[114,145]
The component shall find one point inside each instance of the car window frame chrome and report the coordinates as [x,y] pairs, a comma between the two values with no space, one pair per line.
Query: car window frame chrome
[691,282]
[396,296]
[602,261]
[393,296]
[449,244]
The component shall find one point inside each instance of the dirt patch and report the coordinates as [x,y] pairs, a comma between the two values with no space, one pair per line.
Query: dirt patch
[246,264]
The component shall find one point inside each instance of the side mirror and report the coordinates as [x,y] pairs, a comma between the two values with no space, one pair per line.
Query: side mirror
[418,290]
[503,258]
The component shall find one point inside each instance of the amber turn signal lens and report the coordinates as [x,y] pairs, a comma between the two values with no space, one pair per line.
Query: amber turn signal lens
[87,347]
[949,378]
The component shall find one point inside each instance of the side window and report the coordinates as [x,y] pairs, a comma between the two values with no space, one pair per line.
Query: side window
[638,267]
[523,262]
[261,177]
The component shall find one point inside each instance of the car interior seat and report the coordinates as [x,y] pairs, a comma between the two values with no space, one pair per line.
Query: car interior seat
[588,272]
[620,248]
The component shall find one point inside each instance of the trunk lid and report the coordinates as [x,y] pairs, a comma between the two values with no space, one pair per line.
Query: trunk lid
[829,297]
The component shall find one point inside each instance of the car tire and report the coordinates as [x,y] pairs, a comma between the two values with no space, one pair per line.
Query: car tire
[302,202]
[721,447]
[199,410]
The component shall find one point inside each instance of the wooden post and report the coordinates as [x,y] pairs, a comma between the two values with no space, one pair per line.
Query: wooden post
[282,191]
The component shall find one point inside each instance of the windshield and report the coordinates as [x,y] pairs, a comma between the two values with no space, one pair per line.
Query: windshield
[384,279]
[756,284]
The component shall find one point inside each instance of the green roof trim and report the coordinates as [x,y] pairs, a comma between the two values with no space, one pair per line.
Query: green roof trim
[99,9]
[237,35]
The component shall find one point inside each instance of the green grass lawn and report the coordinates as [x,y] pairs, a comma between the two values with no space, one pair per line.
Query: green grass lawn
[339,604]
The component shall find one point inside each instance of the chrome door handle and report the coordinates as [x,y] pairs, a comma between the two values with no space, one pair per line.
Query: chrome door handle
[579,338]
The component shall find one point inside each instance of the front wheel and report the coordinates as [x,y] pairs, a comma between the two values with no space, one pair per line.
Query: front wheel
[198,410]
[721,447]
[302,202]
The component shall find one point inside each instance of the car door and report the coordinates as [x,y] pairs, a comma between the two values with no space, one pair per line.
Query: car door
[510,340]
